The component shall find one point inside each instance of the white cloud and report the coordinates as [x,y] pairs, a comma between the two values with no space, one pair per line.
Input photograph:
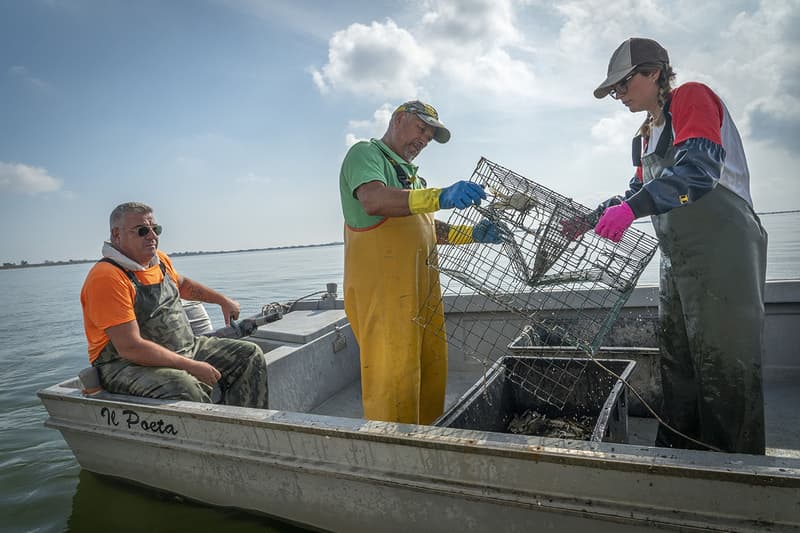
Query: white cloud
[19,178]
[774,184]
[614,133]
[359,130]
[380,60]
[493,74]
[479,50]
[22,74]
[467,26]
[466,46]
[463,47]
[761,45]
[600,25]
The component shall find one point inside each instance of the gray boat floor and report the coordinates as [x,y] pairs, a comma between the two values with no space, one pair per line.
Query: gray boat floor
[781,399]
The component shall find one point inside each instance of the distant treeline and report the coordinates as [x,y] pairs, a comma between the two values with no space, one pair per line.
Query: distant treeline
[25,264]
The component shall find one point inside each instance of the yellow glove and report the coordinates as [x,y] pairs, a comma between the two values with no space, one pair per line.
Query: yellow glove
[460,235]
[423,200]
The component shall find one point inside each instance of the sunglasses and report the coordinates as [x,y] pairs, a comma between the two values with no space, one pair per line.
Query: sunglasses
[622,86]
[143,231]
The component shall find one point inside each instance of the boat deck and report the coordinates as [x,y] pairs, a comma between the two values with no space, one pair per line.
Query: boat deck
[780,401]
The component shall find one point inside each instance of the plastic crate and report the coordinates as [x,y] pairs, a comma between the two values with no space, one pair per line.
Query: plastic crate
[504,391]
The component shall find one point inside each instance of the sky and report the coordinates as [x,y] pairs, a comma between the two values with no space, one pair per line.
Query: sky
[231,117]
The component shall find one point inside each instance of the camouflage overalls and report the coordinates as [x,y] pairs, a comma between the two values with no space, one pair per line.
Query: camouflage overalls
[162,320]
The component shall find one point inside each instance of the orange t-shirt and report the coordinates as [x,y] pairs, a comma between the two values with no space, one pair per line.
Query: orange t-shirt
[107,299]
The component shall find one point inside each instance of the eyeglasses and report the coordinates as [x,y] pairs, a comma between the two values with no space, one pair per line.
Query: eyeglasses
[621,87]
[144,231]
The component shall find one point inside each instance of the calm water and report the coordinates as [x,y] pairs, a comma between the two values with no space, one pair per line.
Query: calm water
[42,488]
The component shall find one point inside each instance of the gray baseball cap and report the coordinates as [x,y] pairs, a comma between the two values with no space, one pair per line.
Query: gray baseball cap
[630,54]
[429,116]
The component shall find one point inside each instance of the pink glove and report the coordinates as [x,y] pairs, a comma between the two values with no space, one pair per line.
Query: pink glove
[615,220]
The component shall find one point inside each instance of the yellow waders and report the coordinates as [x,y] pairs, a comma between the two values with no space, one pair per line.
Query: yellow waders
[386,283]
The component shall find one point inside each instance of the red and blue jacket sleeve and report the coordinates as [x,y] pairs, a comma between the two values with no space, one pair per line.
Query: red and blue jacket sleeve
[697,115]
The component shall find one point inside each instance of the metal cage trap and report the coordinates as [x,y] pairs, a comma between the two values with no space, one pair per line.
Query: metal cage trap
[546,284]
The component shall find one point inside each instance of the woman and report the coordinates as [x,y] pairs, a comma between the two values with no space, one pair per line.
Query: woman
[692,178]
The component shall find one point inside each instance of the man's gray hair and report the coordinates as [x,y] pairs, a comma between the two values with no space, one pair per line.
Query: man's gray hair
[128,207]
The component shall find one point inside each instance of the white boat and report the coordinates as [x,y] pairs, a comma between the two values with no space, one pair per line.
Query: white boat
[312,460]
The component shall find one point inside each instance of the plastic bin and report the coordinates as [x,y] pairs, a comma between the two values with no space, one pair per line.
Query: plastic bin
[492,402]
[645,380]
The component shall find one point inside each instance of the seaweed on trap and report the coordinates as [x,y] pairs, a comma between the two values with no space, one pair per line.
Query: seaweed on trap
[565,291]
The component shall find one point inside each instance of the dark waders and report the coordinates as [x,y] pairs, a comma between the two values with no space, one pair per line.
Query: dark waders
[711,311]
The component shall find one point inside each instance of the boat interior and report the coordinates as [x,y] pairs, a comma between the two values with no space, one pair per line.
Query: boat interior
[314,366]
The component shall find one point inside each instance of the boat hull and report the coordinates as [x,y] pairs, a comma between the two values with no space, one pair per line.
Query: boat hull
[342,474]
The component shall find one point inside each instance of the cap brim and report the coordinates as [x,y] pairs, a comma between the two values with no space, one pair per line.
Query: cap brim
[442,134]
[614,78]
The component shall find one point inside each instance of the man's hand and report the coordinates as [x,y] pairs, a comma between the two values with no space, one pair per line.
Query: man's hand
[461,195]
[489,232]
[204,372]
[230,310]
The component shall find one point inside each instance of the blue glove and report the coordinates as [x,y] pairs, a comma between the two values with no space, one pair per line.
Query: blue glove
[488,232]
[461,194]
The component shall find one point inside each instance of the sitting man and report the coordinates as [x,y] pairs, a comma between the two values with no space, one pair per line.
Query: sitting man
[140,340]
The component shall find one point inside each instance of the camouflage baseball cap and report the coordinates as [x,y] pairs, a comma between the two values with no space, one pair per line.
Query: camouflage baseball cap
[427,114]
[630,54]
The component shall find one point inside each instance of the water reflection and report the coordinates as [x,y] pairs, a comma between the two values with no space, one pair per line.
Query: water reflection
[106,504]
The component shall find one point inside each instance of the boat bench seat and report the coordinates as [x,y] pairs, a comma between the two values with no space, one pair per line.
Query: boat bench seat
[302,327]
[311,356]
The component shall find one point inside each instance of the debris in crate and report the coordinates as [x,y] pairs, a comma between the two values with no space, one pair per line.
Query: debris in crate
[570,287]
[532,422]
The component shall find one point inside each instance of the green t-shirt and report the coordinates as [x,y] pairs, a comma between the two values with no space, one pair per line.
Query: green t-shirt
[368,161]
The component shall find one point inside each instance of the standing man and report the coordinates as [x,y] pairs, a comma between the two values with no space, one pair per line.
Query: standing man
[389,233]
[140,340]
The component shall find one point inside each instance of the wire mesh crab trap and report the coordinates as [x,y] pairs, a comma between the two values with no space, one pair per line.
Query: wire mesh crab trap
[550,274]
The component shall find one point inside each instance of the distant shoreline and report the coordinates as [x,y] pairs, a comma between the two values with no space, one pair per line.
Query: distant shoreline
[24,264]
